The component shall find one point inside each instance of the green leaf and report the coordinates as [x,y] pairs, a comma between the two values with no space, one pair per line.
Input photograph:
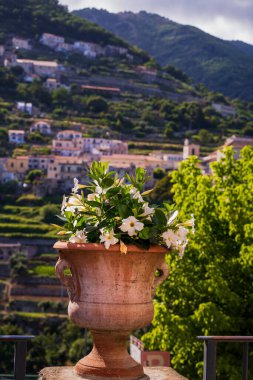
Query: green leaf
[160,217]
[144,234]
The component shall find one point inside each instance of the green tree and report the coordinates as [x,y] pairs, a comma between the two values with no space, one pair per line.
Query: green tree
[18,265]
[34,175]
[158,173]
[162,190]
[97,104]
[210,291]
[48,213]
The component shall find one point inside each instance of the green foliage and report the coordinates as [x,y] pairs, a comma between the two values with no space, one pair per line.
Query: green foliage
[48,213]
[29,200]
[97,104]
[162,190]
[158,173]
[18,264]
[44,271]
[209,292]
[34,175]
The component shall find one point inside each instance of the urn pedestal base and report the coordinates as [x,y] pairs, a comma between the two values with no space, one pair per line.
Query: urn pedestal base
[68,373]
[109,358]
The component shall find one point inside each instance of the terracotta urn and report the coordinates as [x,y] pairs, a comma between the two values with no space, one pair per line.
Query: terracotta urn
[110,294]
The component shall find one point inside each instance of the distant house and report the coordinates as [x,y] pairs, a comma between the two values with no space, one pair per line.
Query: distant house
[39,162]
[224,110]
[112,50]
[25,107]
[21,43]
[51,40]
[68,135]
[51,84]
[17,166]
[41,68]
[41,126]
[171,160]
[104,146]
[64,47]
[89,49]
[16,136]
[62,170]
[127,160]
[2,50]
[68,143]
[238,142]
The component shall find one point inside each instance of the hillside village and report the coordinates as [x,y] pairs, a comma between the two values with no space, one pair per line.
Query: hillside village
[71,93]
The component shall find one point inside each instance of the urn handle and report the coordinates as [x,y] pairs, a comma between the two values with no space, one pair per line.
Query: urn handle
[68,281]
[163,274]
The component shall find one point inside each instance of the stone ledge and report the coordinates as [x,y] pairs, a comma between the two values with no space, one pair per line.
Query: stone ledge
[67,373]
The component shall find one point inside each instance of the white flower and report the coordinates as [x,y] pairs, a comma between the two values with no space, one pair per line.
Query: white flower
[108,238]
[173,217]
[136,194]
[92,197]
[181,249]
[190,223]
[76,186]
[148,211]
[75,204]
[176,239]
[64,204]
[170,238]
[98,189]
[79,237]
[181,234]
[131,225]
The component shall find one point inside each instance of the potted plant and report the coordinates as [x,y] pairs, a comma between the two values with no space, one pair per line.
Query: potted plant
[114,245]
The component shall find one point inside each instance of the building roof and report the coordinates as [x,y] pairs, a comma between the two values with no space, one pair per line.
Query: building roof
[51,35]
[68,131]
[39,63]
[15,131]
[100,88]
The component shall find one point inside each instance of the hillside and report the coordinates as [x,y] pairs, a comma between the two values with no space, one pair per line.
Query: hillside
[221,65]
[31,18]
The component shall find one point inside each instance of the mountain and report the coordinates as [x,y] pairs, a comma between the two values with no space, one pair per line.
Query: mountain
[223,66]
[244,47]
[31,18]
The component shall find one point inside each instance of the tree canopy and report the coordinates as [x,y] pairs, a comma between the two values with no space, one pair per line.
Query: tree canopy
[210,291]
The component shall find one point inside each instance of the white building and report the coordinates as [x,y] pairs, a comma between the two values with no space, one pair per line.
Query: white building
[224,110]
[51,40]
[21,43]
[64,47]
[68,143]
[25,107]
[105,146]
[89,49]
[16,136]
[30,66]
[41,126]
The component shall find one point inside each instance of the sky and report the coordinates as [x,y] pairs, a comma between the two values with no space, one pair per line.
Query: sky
[227,19]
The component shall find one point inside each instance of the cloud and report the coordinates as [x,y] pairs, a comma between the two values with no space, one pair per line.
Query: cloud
[228,19]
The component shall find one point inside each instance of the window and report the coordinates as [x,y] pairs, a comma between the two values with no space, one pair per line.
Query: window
[193,151]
